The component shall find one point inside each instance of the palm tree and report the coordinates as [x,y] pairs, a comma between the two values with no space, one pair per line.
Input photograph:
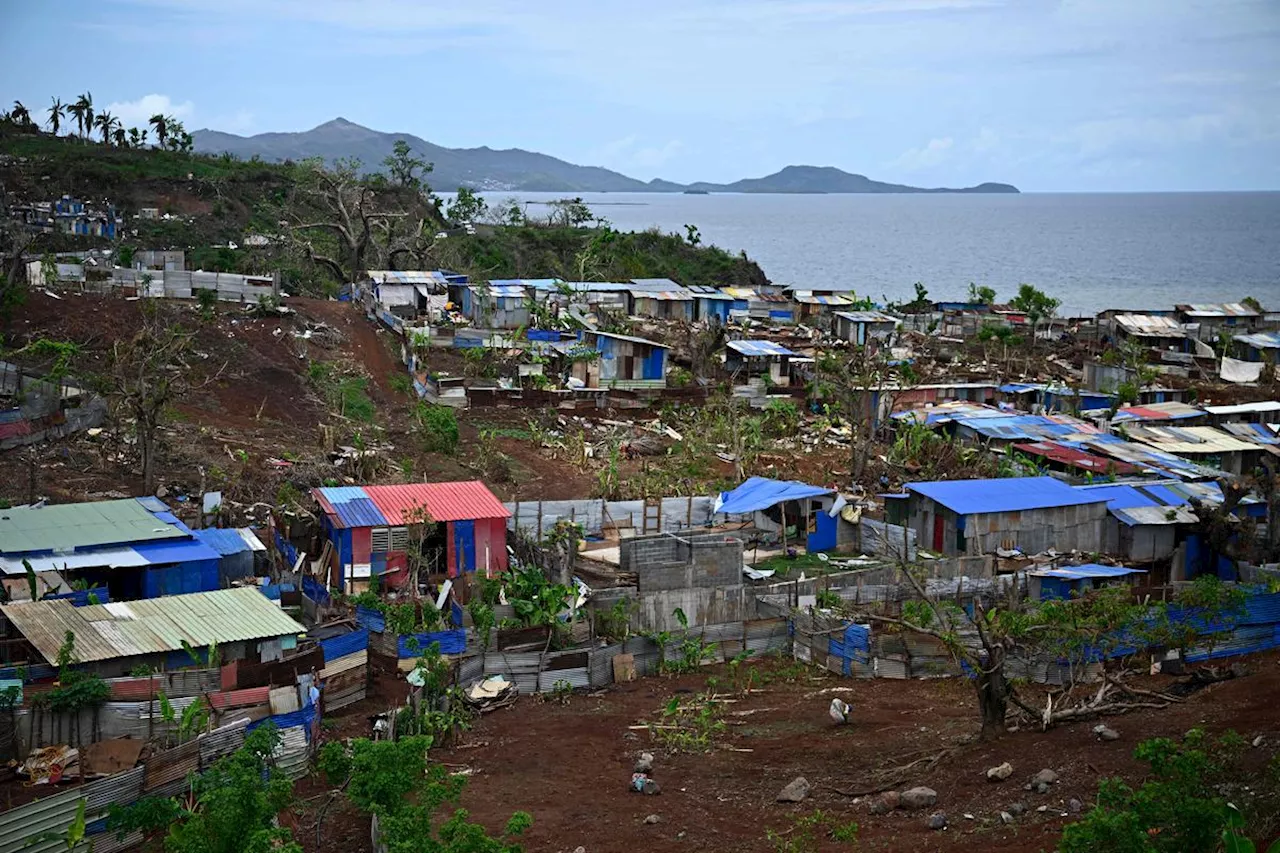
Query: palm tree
[176,132]
[55,116]
[76,110]
[83,110]
[161,126]
[104,123]
[119,136]
[137,138]
[19,114]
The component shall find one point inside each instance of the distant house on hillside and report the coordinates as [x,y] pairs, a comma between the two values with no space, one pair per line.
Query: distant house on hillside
[623,362]
[863,328]
[751,358]
[1213,319]
[661,299]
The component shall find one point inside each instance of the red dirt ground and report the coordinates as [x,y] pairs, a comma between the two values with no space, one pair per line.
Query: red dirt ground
[569,765]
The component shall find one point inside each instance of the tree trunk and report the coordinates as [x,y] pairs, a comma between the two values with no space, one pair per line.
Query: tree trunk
[993,700]
[146,447]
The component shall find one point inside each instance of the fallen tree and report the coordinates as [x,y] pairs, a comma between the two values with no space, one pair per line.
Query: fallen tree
[1094,636]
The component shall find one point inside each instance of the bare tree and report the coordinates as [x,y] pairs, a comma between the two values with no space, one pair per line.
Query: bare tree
[148,373]
[867,386]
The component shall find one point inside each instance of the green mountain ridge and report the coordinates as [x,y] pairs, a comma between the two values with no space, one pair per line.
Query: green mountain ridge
[515,169]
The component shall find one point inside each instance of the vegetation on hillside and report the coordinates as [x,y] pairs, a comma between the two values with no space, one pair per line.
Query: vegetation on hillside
[321,225]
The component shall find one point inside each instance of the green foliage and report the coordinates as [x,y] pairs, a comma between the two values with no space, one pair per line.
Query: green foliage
[535,599]
[396,781]
[347,395]
[437,428]
[1178,809]
[807,832]
[467,207]
[1036,304]
[615,623]
[690,726]
[400,383]
[781,419]
[981,294]
[679,377]
[998,332]
[207,298]
[232,808]
[828,598]
[404,167]
[77,689]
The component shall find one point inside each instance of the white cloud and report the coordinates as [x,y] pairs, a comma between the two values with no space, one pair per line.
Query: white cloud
[627,155]
[925,157]
[136,113]
[241,121]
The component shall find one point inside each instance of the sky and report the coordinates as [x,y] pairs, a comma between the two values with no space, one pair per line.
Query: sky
[1050,95]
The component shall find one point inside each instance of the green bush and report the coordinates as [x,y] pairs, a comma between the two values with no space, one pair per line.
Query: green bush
[438,428]
[1179,809]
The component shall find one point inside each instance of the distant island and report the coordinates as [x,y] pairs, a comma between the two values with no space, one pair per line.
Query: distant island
[513,169]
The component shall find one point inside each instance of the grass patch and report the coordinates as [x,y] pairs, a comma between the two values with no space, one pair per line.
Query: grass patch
[347,395]
[784,566]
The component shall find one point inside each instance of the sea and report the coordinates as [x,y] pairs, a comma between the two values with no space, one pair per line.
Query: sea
[1091,251]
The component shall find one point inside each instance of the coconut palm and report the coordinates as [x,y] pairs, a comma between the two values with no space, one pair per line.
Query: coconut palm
[83,111]
[55,116]
[105,122]
[161,126]
[118,135]
[19,114]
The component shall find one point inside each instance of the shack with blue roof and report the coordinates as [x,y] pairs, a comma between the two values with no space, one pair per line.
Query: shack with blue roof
[134,547]
[1027,514]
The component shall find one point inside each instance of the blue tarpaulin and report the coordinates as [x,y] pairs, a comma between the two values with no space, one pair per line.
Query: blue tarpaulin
[760,493]
[451,643]
[1012,494]
[344,644]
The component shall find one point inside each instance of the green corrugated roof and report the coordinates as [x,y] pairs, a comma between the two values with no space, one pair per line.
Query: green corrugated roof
[124,629]
[64,527]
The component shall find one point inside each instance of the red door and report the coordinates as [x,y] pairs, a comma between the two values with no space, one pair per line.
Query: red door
[938,529]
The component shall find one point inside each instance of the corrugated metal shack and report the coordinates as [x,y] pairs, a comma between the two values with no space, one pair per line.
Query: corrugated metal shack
[368,526]
[114,638]
[496,305]
[134,547]
[1030,514]
[760,358]
[625,362]
[710,304]
[864,327]
[661,299]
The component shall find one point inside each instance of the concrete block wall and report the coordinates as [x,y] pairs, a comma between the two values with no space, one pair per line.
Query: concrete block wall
[678,562]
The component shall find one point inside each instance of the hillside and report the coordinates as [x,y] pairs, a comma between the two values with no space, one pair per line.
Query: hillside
[516,169]
[209,204]
[828,179]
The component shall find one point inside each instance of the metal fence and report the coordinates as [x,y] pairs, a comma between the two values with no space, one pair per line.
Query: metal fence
[163,774]
[539,672]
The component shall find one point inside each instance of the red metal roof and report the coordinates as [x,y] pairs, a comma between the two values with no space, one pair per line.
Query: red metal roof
[1076,458]
[445,501]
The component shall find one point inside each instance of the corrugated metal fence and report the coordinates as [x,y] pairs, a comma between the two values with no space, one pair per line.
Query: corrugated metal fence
[537,672]
[163,774]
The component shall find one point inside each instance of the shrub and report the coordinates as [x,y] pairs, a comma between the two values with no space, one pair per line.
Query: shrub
[438,428]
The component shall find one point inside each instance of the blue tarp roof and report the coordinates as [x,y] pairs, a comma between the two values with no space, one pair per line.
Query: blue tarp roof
[222,540]
[181,551]
[1088,570]
[1002,495]
[1119,496]
[760,348]
[760,493]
